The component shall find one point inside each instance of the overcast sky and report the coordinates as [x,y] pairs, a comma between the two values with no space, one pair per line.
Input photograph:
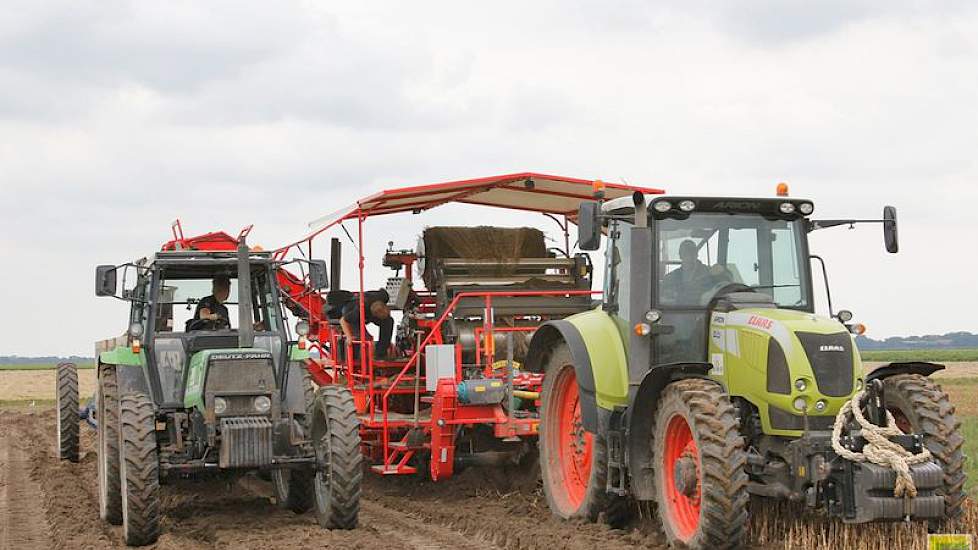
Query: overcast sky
[117,117]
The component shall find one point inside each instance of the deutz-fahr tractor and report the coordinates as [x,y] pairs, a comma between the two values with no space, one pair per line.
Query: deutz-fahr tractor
[705,376]
[183,395]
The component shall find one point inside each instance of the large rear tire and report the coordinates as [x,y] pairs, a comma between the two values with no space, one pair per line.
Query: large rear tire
[573,461]
[139,469]
[335,431]
[68,417]
[699,458]
[107,417]
[920,406]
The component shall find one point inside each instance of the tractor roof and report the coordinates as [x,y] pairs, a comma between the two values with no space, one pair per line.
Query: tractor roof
[526,191]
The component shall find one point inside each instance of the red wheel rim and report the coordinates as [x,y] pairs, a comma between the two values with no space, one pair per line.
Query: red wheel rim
[901,421]
[573,443]
[683,509]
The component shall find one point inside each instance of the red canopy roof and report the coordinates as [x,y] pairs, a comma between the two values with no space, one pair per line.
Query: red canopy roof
[528,191]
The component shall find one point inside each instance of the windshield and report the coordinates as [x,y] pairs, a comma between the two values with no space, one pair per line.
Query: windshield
[706,252]
[179,301]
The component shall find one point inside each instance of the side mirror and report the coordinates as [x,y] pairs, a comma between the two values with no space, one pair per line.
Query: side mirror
[318,277]
[890,230]
[105,280]
[589,226]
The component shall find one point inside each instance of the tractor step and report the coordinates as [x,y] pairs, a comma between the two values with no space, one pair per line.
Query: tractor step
[393,469]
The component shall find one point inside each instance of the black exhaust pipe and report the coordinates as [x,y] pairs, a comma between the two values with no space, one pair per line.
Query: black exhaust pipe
[335,253]
[246,323]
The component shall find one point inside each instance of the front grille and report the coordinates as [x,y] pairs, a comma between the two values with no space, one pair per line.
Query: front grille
[246,442]
[240,375]
[831,358]
[784,420]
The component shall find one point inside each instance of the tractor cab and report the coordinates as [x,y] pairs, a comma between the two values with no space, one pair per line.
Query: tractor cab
[170,291]
[710,255]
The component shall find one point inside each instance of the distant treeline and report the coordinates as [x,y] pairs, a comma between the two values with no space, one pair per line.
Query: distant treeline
[17,360]
[951,340]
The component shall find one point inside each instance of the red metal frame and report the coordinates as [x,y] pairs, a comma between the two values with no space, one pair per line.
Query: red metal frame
[390,438]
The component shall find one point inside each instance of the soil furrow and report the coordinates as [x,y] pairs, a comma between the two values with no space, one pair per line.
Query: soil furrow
[22,523]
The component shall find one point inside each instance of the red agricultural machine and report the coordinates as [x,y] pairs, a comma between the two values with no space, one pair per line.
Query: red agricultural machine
[451,392]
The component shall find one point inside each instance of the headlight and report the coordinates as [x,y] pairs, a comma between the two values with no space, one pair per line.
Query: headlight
[806,208]
[844,315]
[801,384]
[653,316]
[263,404]
[136,330]
[787,208]
[821,405]
[662,206]
[302,328]
[687,206]
[800,404]
[220,405]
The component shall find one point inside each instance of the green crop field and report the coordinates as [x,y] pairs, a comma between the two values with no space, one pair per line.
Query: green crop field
[40,366]
[938,355]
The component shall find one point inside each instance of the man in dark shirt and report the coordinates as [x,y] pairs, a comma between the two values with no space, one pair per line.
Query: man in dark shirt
[690,280]
[212,308]
[377,312]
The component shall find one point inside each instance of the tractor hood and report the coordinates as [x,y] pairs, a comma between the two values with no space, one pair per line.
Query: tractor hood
[240,370]
[786,349]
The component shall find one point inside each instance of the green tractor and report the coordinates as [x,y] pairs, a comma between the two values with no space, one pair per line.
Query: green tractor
[706,377]
[182,395]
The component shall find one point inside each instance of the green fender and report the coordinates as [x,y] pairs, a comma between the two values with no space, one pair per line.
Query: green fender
[600,363]
[121,355]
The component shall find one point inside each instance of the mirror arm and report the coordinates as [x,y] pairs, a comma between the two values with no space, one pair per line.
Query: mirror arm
[814,225]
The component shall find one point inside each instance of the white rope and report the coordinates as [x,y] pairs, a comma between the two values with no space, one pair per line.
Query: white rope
[878,450]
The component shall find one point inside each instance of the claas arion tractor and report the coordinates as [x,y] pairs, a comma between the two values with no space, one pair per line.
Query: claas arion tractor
[186,395]
[705,376]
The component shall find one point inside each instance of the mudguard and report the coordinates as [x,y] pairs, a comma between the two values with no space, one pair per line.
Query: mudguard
[640,416]
[544,338]
[910,367]
[130,374]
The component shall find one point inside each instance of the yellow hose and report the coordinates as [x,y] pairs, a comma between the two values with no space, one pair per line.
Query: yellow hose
[526,394]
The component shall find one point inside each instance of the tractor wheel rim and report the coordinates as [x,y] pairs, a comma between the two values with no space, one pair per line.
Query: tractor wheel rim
[574,443]
[683,510]
[901,420]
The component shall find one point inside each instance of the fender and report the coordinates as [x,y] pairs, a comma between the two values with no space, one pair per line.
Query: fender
[130,378]
[640,417]
[910,367]
[130,373]
[544,338]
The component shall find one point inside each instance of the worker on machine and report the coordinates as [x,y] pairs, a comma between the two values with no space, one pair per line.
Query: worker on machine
[211,311]
[378,312]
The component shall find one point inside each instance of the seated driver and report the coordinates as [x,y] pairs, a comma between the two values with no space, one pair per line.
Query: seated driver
[692,278]
[212,308]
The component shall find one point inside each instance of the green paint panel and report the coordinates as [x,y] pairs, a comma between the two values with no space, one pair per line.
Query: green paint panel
[603,339]
[121,355]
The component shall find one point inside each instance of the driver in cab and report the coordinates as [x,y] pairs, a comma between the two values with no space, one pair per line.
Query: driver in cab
[212,308]
[691,278]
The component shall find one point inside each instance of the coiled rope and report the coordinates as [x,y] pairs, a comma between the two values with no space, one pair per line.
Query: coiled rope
[879,449]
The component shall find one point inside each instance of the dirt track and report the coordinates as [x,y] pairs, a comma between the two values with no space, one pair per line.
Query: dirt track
[45,503]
